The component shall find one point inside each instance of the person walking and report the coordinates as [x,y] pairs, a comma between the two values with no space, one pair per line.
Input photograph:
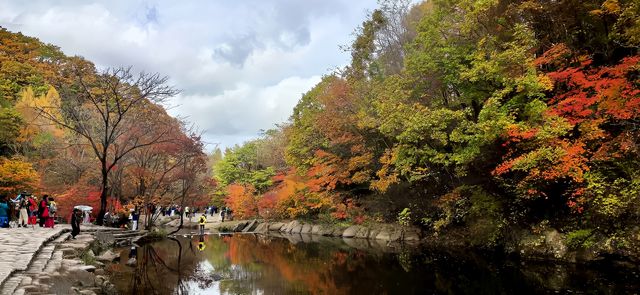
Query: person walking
[4,212]
[202,221]
[76,217]
[33,211]
[23,205]
[222,213]
[135,216]
[42,207]
[52,208]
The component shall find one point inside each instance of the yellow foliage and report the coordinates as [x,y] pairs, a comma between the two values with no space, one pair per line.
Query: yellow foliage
[386,175]
[608,7]
[16,176]
[545,82]
[28,106]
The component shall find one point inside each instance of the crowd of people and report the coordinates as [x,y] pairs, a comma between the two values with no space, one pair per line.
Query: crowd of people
[26,209]
[225,212]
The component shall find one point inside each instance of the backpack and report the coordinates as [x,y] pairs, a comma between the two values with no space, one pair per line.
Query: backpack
[203,220]
[53,208]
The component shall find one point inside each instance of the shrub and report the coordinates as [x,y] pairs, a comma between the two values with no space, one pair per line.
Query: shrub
[582,238]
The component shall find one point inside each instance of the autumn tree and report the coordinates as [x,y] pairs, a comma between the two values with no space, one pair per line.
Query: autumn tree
[103,107]
[191,173]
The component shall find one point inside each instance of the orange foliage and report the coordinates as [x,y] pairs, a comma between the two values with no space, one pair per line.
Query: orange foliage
[598,101]
[292,196]
[242,201]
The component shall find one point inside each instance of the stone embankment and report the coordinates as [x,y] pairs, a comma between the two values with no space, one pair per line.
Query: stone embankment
[47,261]
[380,232]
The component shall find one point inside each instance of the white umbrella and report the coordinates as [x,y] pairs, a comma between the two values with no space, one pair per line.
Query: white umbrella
[83,208]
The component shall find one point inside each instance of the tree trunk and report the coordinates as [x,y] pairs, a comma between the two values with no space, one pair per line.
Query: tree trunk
[103,195]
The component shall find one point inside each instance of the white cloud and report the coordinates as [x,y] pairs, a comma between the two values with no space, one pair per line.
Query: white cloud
[243,110]
[242,65]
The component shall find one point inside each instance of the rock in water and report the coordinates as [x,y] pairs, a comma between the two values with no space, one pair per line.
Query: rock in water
[351,231]
[107,256]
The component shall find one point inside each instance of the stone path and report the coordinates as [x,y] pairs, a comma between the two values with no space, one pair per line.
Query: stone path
[18,246]
[43,262]
[30,258]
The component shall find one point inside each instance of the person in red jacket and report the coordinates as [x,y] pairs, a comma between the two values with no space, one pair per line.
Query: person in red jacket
[43,210]
[33,210]
[52,207]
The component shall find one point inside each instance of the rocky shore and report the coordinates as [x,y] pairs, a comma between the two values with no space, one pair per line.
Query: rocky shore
[541,243]
[380,232]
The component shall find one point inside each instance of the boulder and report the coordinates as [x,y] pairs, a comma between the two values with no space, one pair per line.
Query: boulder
[316,229]
[555,243]
[276,226]
[390,234]
[297,229]
[68,263]
[239,227]
[550,244]
[82,278]
[250,227]
[326,231]
[351,231]
[99,280]
[373,232]
[289,226]
[363,233]
[109,288]
[306,229]
[262,228]
[411,235]
[107,256]
[337,232]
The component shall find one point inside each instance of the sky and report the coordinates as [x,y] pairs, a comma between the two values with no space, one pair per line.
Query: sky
[241,65]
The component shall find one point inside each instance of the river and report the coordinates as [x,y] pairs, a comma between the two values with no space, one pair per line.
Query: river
[254,264]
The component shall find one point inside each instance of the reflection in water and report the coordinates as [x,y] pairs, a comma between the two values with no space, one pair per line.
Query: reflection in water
[250,264]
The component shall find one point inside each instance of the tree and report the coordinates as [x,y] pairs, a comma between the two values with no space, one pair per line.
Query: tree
[16,175]
[192,170]
[103,107]
[10,124]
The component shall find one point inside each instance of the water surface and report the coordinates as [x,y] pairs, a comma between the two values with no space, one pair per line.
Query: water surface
[253,264]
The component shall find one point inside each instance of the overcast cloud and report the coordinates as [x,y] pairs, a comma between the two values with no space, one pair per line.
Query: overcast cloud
[241,65]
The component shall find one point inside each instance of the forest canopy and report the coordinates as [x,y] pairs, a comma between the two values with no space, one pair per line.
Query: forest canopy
[513,111]
[484,114]
[92,137]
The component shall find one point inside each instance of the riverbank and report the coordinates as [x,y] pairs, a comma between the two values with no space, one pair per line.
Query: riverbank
[541,243]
